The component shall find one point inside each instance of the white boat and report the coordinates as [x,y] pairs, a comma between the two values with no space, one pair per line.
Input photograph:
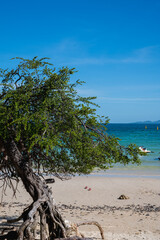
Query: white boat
[143,149]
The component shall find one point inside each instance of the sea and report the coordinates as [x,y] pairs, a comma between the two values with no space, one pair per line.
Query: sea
[146,135]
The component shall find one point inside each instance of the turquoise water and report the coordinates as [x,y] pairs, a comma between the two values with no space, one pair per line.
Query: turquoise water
[142,135]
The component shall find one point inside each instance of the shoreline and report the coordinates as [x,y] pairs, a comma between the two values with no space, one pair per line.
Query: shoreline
[128,172]
[125,176]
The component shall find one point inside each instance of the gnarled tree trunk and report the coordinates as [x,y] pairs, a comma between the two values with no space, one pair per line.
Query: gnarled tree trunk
[51,223]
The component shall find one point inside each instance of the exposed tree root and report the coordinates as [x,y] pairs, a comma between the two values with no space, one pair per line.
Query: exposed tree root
[6,229]
[40,212]
[72,227]
[74,238]
[12,235]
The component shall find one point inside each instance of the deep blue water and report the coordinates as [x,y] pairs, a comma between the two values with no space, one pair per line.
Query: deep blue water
[142,135]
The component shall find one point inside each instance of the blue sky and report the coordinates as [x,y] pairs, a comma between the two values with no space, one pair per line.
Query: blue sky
[114,45]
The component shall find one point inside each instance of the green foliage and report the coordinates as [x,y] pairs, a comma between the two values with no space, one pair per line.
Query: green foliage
[52,125]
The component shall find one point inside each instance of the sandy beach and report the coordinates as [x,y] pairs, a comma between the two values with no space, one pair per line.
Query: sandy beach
[92,198]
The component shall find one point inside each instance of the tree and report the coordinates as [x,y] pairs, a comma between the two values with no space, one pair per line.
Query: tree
[45,126]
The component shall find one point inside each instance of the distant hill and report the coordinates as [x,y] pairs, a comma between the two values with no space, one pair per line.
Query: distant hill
[148,122]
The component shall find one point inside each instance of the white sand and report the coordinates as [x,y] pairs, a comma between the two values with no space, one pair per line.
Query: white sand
[135,218]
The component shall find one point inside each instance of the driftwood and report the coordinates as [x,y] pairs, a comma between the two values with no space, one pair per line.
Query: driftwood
[73,227]
[93,223]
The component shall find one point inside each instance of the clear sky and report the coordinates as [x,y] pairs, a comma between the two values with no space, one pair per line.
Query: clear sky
[114,45]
